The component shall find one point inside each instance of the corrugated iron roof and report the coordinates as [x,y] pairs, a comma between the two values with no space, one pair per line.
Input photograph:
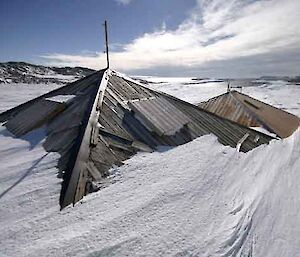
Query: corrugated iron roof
[75,88]
[228,107]
[34,116]
[251,112]
[159,115]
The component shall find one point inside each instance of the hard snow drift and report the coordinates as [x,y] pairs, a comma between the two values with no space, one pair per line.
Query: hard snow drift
[198,199]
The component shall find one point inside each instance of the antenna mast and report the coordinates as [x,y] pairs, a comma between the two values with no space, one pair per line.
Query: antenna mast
[106,43]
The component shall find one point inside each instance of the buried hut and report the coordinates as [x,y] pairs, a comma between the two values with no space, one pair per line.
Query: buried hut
[251,112]
[103,119]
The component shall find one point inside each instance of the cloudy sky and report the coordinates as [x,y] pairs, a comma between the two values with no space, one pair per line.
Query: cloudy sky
[232,38]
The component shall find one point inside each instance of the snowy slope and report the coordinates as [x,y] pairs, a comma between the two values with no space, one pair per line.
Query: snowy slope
[198,199]
[21,72]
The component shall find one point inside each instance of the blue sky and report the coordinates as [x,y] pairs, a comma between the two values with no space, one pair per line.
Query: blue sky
[34,27]
[157,37]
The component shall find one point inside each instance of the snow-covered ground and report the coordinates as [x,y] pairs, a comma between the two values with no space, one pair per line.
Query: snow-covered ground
[15,94]
[198,199]
[21,72]
[279,93]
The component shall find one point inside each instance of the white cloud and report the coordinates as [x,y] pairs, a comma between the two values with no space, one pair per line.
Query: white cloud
[216,30]
[124,2]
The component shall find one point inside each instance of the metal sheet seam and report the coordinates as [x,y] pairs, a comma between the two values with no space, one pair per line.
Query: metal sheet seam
[120,101]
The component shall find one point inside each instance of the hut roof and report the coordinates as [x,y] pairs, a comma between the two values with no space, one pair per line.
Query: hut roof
[107,119]
[251,112]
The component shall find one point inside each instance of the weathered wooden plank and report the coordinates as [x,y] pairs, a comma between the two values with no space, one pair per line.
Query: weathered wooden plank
[34,116]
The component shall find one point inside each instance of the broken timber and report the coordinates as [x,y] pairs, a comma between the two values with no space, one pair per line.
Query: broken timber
[109,119]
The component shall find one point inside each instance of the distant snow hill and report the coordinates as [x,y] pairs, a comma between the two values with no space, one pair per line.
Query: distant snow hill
[21,72]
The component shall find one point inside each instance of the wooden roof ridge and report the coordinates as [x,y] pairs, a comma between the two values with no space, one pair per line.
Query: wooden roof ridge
[110,119]
[72,191]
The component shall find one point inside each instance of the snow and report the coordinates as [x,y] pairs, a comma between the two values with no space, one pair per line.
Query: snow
[280,94]
[198,199]
[61,98]
[187,89]
[15,94]
[263,130]
[64,78]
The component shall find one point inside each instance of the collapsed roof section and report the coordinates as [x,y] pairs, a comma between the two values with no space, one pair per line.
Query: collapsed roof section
[250,112]
[110,118]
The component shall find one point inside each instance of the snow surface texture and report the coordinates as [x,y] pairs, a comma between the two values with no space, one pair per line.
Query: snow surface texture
[198,199]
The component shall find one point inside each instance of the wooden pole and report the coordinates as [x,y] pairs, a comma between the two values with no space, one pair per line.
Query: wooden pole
[228,86]
[106,43]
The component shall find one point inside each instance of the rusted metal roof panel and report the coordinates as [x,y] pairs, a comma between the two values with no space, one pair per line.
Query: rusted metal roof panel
[228,107]
[250,112]
[276,120]
[227,132]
